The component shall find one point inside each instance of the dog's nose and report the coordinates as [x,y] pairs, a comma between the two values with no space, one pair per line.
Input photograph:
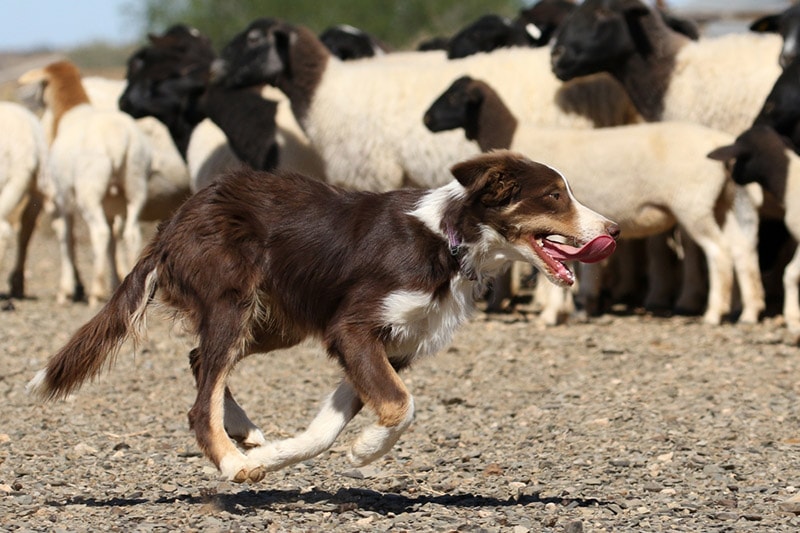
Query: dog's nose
[613,230]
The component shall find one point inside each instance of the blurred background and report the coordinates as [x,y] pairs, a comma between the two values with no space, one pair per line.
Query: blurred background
[102,33]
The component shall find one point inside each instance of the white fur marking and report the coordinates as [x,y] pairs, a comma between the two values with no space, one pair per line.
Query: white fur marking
[336,411]
[375,440]
[36,385]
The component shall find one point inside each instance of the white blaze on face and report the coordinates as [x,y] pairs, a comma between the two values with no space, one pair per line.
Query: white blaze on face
[590,223]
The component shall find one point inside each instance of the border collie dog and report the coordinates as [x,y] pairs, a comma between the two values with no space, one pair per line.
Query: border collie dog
[259,261]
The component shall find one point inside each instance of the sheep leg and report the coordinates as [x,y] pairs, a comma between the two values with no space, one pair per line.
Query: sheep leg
[591,285]
[335,412]
[791,293]
[741,234]
[660,276]
[692,290]
[132,231]
[102,249]
[70,283]
[30,214]
[556,301]
[708,236]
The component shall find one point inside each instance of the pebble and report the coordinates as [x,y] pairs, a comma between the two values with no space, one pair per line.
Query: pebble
[634,423]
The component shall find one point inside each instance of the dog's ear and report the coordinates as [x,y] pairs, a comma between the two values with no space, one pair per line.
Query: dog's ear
[487,180]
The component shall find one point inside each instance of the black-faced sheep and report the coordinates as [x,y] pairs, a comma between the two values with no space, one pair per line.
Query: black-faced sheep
[23,162]
[346,42]
[99,165]
[787,24]
[760,155]
[169,79]
[640,175]
[363,116]
[668,76]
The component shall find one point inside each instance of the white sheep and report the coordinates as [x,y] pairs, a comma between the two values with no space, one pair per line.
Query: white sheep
[168,185]
[643,176]
[99,164]
[364,116]
[23,161]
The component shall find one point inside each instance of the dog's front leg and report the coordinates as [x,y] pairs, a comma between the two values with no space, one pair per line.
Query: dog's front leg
[336,411]
[379,387]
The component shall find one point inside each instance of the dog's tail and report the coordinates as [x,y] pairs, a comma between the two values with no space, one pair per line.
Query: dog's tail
[96,344]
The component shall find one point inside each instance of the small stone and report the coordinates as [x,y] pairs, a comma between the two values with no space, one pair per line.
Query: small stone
[574,527]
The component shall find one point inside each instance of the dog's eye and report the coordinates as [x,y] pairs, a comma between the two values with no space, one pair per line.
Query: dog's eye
[555,195]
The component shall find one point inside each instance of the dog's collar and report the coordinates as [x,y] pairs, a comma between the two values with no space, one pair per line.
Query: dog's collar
[458,250]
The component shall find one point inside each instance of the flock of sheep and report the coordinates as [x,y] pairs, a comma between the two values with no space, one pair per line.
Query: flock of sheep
[673,135]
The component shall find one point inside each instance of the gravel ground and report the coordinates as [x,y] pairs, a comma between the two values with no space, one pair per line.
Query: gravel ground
[626,423]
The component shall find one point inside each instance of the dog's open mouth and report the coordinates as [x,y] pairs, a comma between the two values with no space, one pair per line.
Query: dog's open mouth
[555,253]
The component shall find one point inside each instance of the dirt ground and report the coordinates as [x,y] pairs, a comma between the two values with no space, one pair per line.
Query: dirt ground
[624,423]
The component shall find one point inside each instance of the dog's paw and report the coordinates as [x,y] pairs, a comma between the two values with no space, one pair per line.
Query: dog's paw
[371,444]
[253,476]
[242,469]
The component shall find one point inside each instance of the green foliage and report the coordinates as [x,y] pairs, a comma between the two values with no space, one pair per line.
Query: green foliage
[399,23]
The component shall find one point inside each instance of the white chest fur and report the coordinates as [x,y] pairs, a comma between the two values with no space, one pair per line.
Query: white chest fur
[421,324]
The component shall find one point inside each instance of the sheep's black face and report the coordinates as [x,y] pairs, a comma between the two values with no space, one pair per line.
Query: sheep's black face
[545,17]
[595,38]
[787,24]
[781,109]
[759,155]
[166,77]
[451,110]
[251,57]
[347,42]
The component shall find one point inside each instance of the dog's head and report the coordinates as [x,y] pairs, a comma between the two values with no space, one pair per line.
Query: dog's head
[515,209]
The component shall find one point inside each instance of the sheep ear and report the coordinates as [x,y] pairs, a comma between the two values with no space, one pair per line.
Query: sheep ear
[38,75]
[278,59]
[633,7]
[725,153]
[766,24]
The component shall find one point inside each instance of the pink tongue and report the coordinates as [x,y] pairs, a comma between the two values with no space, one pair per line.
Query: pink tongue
[595,250]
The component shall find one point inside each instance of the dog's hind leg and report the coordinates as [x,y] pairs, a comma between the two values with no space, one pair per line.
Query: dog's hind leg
[237,424]
[336,411]
[221,346]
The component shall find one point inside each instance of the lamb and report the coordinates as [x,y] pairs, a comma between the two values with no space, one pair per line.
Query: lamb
[99,164]
[639,175]
[23,162]
[168,184]
[760,155]
[362,116]
[220,128]
[668,76]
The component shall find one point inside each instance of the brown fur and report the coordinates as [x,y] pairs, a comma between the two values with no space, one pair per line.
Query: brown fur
[258,261]
[64,90]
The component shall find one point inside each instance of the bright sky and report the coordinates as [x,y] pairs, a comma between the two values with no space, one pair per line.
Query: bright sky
[29,24]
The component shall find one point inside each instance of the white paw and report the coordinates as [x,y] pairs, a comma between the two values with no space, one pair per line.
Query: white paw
[239,468]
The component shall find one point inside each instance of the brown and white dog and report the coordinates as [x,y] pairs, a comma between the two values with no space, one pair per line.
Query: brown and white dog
[258,261]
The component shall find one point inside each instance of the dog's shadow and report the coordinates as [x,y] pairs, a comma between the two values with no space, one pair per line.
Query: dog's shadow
[316,500]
